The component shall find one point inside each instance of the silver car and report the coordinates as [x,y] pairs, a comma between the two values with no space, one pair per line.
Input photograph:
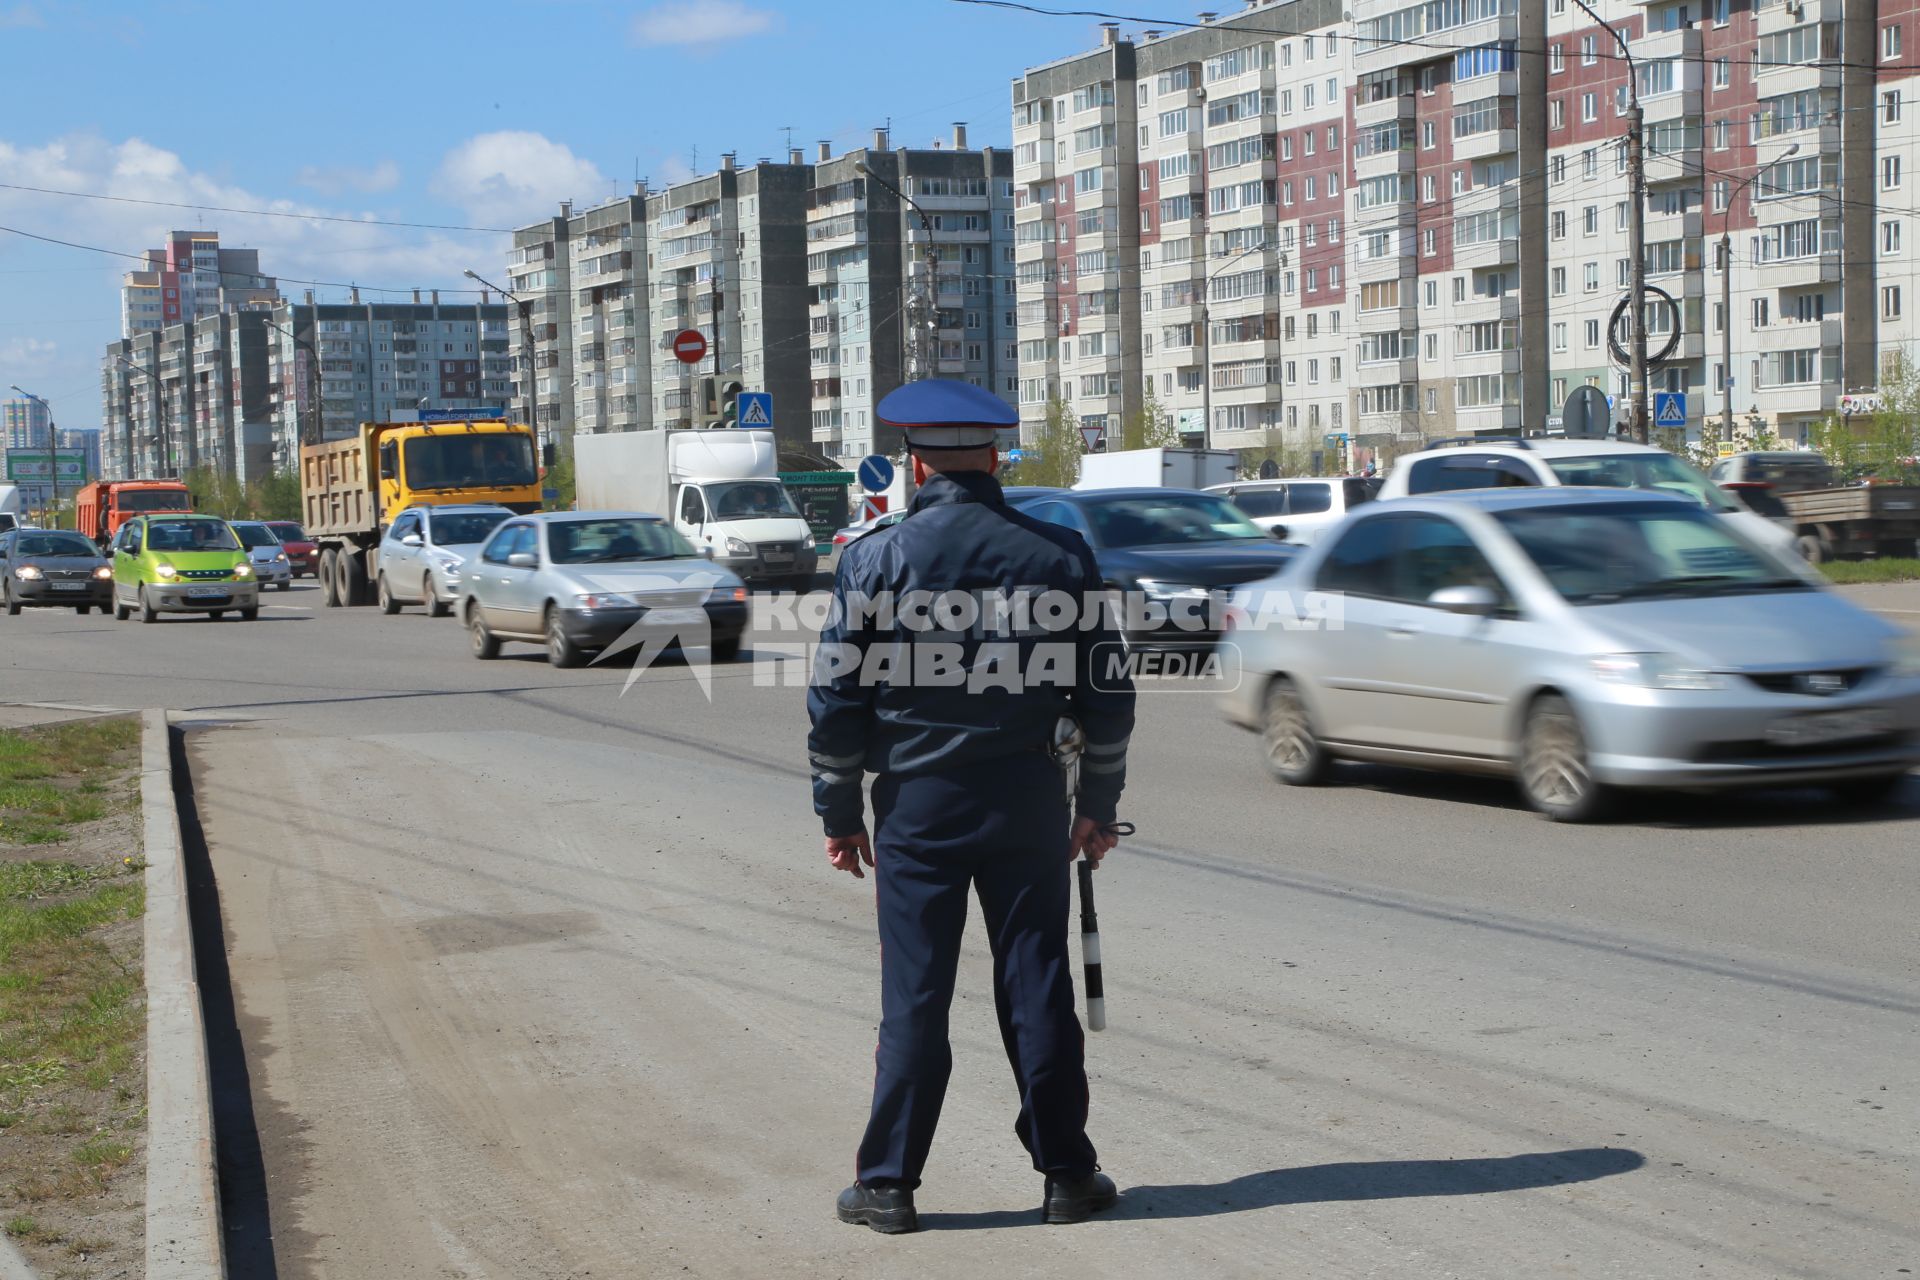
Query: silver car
[1581,640]
[425,551]
[581,581]
[271,568]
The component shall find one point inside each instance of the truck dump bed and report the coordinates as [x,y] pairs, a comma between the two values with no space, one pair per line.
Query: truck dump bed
[336,490]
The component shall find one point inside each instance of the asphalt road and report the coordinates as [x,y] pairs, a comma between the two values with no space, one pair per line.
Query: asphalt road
[541,979]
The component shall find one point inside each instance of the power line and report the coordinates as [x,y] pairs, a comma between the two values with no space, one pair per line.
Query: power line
[254,213]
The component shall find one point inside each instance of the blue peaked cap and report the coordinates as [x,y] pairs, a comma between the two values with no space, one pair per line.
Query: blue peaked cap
[941,413]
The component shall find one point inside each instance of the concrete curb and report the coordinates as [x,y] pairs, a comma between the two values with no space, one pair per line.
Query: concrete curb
[13,1266]
[184,1238]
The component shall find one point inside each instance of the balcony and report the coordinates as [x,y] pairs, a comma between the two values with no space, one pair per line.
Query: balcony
[1780,17]
[1486,253]
[1385,373]
[1387,266]
[1467,364]
[1478,309]
[1489,142]
[1494,418]
[1798,335]
[1799,273]
[1800,398]
[1379,163]
[1399,106]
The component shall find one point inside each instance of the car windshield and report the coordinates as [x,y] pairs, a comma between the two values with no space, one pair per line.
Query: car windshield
[256,535]
[1169,518]
[53,544]
[190,535]
[610,541]
[1606,554]
[1659,471]
[459,528]
[749,500]
[488,460]
[152,500]
[289,532]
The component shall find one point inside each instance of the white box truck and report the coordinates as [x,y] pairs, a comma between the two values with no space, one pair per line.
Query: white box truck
[721,488]
[1158,469]
[10,517]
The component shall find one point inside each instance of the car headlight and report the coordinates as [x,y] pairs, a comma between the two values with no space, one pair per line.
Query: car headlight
[165,572]
[29,573]
[807,543]
[1158,589]
[449,563]
[242,571]
[280,558]
[1905,656]
[104,572]
[606,600]
[727,595]
[736,547]
[1653,671]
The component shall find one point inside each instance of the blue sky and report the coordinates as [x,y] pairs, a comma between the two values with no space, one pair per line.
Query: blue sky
[475,114]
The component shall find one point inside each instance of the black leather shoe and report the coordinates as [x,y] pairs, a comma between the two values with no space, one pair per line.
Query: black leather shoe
[888,1210]
[1077,1199]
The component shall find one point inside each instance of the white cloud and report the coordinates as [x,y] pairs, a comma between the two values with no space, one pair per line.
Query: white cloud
[21,15]
[26,357]
[508,178]
[333,180]
[701,22]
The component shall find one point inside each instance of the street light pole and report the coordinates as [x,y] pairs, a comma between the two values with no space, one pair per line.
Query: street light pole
[163,417]
[53,449]
[529,402]
[314,429]
[1726,294]
[1636,232]
[927,310]
[1206,334]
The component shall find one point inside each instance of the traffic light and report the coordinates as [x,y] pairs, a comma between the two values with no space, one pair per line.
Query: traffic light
[709,398]
[730,403]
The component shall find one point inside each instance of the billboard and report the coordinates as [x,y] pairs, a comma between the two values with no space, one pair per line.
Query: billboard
[40,467]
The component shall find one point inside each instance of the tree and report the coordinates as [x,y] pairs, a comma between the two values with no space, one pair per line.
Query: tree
[1291,460]
[1052,458]
[1148,428]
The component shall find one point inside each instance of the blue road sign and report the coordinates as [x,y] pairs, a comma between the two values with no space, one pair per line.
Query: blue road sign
[1669,408]
[1016,455]
[756,408]
[484,413]
[876,473]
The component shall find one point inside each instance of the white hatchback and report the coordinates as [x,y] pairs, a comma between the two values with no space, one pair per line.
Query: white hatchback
[1498,462]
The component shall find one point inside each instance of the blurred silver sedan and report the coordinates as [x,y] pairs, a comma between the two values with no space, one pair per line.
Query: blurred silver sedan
[1580,640]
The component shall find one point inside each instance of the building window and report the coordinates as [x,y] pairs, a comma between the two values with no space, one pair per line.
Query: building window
[1590,277]
[1559,224]
[1722,73]
[1890,107]
[1430,242]
[1429,188]
[1589,108]
[1890,173]
[1560,336]
[1559,169]
[1559,281]
[1890,237]
[1557,58]
[1589,163]
[1890,302]
[1589,50]
[1593,334]
[1590,220]
[1459,288]
[1429,135]
[1430,295]
[1721,195]
[1557,114]
[1890,42]
[1722,12]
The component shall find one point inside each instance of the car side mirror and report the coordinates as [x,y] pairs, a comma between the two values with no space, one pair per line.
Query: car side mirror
[1474,602]
[413,540]
[1278,532]
[524,560]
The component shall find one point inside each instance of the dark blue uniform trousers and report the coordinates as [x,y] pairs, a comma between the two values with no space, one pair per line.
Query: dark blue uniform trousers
[1001,827]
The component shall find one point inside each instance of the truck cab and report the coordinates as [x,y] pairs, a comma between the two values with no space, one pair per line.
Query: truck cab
[444,464]
[749,525]
[101,508]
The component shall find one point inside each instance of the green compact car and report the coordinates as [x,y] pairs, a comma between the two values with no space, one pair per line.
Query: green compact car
[179,563]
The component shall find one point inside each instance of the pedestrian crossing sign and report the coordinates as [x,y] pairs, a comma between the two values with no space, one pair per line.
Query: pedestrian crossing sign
[756,408]
[1670,409]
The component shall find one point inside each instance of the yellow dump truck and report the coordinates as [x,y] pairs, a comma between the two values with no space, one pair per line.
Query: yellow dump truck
[351,489]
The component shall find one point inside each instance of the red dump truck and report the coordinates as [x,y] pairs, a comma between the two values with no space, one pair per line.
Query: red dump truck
[103,506]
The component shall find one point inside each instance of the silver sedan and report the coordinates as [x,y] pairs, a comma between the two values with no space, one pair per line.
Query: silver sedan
[583,581]
[1583,641]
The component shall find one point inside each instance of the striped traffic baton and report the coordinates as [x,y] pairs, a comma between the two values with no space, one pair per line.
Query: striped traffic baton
[1090,937]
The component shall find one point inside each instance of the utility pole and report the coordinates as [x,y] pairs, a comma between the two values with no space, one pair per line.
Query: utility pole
[162,417]
[1638,418]
[525,308]
[311,429]
[1726,294]
[925,306]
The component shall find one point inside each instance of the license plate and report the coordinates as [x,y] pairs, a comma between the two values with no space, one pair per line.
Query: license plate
[777,557]
[205,593]
[1827,726]
[68,586]
[676,617]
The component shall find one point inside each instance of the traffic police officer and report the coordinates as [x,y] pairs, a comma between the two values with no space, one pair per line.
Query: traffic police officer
[966,792]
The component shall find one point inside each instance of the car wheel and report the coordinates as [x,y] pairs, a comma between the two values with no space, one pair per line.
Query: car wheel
[287,585]
[147,612]
[436,607]
[82,609]
[483,642]
[1868,792]
[216,615]
[120,611]
[250,615]
[727,650]
[13,606]
[1813,547]
[561,650]
[388,605]
[1294,752]
[329,580]
[1555,776]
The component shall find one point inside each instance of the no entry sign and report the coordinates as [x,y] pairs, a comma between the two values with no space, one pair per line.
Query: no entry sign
[690,346]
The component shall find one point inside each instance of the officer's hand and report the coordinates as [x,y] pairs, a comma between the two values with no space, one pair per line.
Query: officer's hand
[1092,839]
[846,853]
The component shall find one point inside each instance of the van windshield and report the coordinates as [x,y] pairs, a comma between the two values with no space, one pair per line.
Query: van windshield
[749,500]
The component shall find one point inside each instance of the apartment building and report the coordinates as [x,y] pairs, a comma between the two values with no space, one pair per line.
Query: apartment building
[24,423]
[540,341]
[191,277]
[1414,223]
[899,288]
[612,374]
